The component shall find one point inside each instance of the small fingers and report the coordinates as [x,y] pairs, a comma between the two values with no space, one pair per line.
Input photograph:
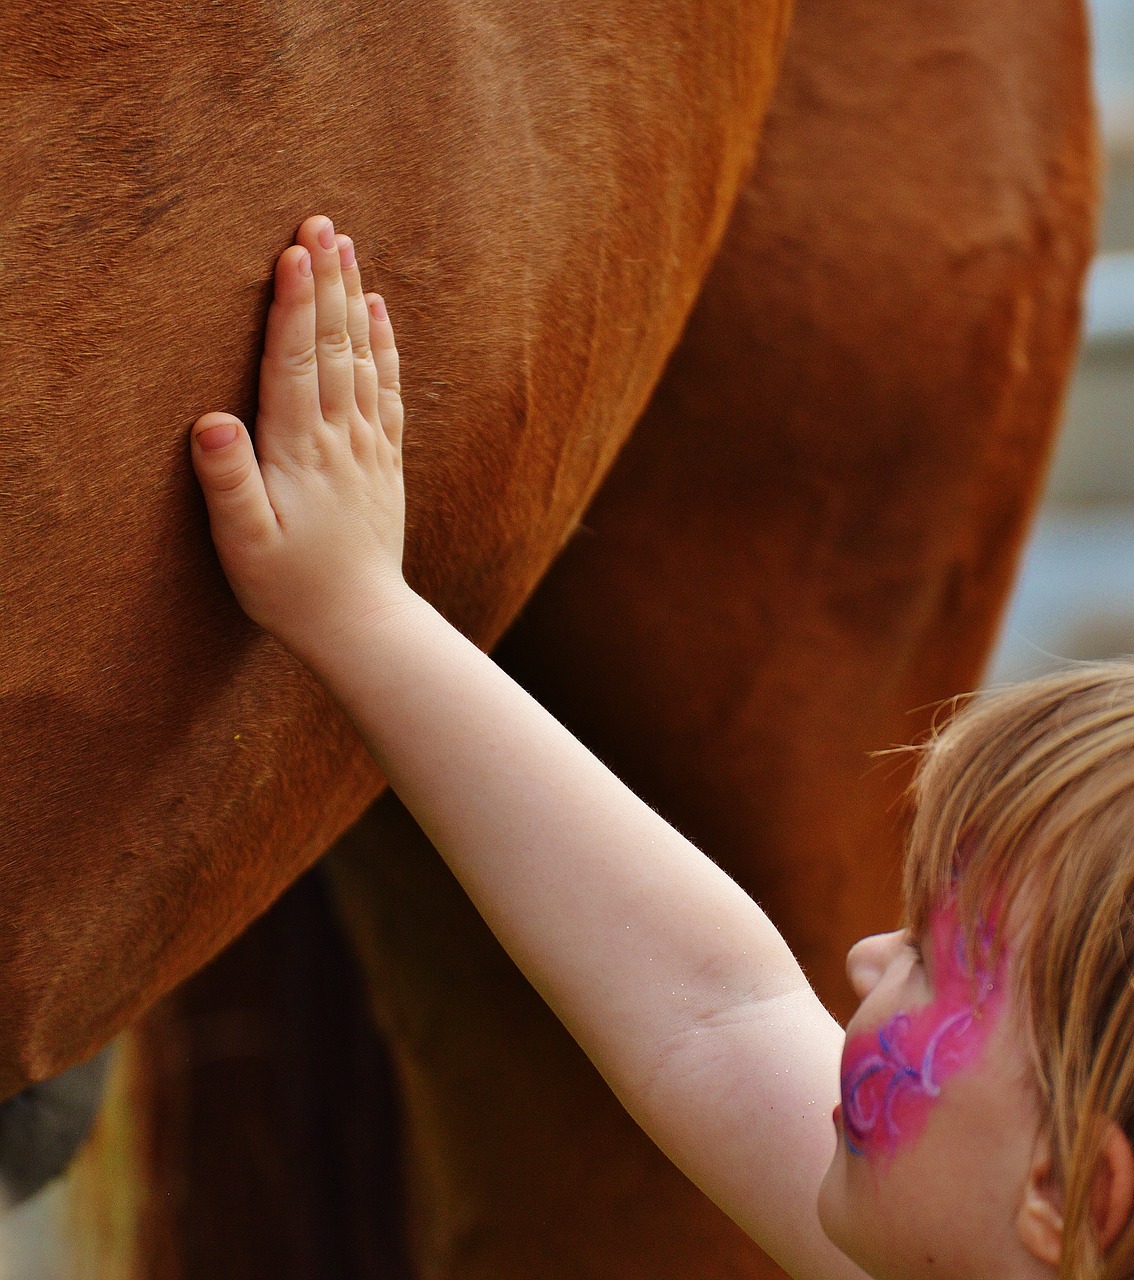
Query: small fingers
[240,512]
[333,352]
[386,362]
[289,379]
[328,356]
[358,325]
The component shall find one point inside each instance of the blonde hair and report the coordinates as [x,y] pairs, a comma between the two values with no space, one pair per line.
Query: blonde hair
[1026,800]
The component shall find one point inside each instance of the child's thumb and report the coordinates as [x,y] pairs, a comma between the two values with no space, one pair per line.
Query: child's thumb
[229,476]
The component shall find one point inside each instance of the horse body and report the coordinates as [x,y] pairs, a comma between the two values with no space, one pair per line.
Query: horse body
[809,535]
[539,209]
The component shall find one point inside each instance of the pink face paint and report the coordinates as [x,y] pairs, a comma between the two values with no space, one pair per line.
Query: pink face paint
[892,1076]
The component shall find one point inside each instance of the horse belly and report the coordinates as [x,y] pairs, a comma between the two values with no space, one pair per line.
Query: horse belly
[537,191]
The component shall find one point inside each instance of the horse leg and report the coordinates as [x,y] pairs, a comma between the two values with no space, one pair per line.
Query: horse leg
[251,1125]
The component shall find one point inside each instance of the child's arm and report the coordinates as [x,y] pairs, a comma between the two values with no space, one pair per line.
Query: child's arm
[670,977]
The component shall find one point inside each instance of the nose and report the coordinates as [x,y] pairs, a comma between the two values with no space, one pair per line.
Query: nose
[868,958]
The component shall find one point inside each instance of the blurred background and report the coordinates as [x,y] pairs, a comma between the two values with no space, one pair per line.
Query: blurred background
[1075,597]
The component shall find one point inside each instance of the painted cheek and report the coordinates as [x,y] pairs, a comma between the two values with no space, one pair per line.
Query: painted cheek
[892,1077]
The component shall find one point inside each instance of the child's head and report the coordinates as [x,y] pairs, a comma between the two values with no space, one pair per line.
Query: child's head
[1025,809]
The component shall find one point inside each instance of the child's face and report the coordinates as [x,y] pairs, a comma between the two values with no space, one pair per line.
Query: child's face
[938,1123]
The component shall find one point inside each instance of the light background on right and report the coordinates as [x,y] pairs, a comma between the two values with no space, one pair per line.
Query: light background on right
[1075,595]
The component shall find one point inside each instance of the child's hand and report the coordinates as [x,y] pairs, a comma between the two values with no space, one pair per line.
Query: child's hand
[309,528]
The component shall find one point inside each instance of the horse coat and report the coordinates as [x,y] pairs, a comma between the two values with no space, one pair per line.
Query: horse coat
[808,536]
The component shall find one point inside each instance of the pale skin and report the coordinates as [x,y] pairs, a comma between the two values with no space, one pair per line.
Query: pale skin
[674,982]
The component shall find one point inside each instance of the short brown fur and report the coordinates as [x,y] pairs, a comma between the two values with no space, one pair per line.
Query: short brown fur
[811,533]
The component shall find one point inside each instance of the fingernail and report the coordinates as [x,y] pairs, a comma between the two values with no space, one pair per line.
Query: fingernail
[346,253]
[378,307]
[327,235]
[217,437]
[305,263]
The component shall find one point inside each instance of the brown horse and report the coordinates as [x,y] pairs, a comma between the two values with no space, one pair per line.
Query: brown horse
[809,536]
[167,770]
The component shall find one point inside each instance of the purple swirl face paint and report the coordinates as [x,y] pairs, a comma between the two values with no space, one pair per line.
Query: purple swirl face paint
[893,1075]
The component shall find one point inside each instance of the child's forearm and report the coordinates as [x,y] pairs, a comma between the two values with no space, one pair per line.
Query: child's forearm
[639,943]
[575,874]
